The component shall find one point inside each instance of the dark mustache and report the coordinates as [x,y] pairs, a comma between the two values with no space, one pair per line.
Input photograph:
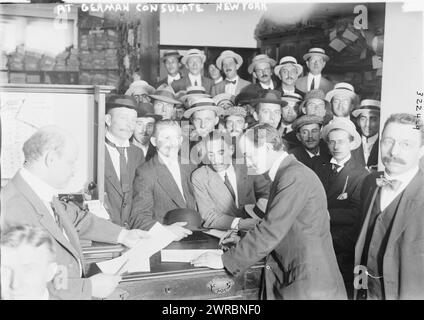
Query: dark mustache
[394,160]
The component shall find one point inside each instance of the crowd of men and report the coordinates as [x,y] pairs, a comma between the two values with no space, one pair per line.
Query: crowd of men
[289,161]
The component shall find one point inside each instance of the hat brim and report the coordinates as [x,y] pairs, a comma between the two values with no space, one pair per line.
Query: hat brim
[112,105]
[200,95]
[178,56]
[238,58]
[327,104]
[251,68]
[308,55]
[185,58]
[280,66]
[356,137]
[189,112]
[349,93]
[151,115]
[358,112]
[164,99]
[274,101]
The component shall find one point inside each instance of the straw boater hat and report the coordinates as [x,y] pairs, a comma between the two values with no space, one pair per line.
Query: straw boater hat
[145,110]
[316,51]
[288,60]
[229,54]
[193,91]
[224,96]
[139,87]
[304,120]
[193,53]
[165,93]
[261,58]
[342,124]
[198,104]
[236,111]
[171,53]
[345,89]
[367,106]
[315,94]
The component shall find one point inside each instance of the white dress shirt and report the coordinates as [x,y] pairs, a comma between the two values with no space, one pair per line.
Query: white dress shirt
[274,168]
[288,91]
[114,154]
[341,163]
[231,88]
[367,144]
[269,86]
[287,127]
[310,154]
[231,173]
[194,79]
[218,80]
[388,194]
[316,82]
[171,79]
[174,167]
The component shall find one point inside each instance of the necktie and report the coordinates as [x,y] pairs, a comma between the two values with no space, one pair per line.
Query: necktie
[285,131]
[336,168]
[312,84]
[229,186]
[195,83]
[124,177]
[393,184]
[230,82]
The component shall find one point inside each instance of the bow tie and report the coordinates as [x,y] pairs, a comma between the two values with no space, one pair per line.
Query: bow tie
[229,81]
[393,184]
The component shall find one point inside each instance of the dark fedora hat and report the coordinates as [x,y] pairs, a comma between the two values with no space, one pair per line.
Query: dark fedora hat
[271,96]
[121,101]
[192,217]
[145,110]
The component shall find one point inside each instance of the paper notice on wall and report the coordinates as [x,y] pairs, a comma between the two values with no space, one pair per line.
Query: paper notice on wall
[337,45]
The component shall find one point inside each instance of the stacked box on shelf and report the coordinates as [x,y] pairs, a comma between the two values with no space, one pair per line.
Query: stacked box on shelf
[111,58]
[85,59]
[73,62]
[32,60]
[47,63]
[98,60]
[112,79]
[99,79]
[85,78]
[61,61]
[16,60]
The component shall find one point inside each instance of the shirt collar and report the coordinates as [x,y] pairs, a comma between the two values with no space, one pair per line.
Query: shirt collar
[218,80]
[112,139]
[193,77]
[228,171]
[176,77]
[370,140]
[43,190]
[405,178]
[311,154]
[273,171]
[288,90]
[317,77]
[343,162]
[168,161]
[233,79]
[267,86]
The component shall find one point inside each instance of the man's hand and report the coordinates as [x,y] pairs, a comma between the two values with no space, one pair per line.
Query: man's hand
[209,259]
[178,229]
[247,224]
[103,284]
[130,238]
[229,239]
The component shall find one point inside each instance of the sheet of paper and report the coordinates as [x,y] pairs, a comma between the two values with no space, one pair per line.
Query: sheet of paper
[216,233]
[184,255]
[97,208]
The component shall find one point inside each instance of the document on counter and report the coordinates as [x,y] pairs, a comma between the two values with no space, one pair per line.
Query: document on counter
[137,258]
[184,255]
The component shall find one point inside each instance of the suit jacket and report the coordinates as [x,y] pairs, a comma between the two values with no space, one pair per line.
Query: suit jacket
[296,90]
[164,81]
[20,205]
[302,156]
[184,83]
[214,200]
[324,84]
[344,214]
[291,140]
[156,193]
[118,203]
[151,152]
[220,87]
[403,260]
[294,236]
[358,154]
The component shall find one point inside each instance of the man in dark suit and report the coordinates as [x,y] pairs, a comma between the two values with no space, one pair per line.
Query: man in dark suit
[171,60]
[315,61]
[229,62]
[194,60]
[342,177]
[268,108]
[30,198]
[368,120]
[143,131]
[288,71]
[390,246]
[313,152]
[163,183]
[289,113]
[121,157]
[294,236]
[223,188]
[261,68]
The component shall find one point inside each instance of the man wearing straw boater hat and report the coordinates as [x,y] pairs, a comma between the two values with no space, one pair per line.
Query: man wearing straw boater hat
[194,60]
[140,90]
[171,61]
[342,177]
[288,70]
[229,62]
[368,120]
[315,61]
[261,68]
[343,100]
[164,101]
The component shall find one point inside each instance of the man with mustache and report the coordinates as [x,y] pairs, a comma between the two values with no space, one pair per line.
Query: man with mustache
[261,68]
[229,62]
[316,60]
[342,178]
[343,100]
[288,71]
[163,183]
[390,245]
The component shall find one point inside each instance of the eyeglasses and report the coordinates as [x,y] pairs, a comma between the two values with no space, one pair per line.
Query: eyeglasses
[263,71]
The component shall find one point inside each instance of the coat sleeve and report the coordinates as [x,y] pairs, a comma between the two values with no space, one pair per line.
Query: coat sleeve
[214,91]
[261,187]
[143,200]
[206,205]
[74,289]
[266,236]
